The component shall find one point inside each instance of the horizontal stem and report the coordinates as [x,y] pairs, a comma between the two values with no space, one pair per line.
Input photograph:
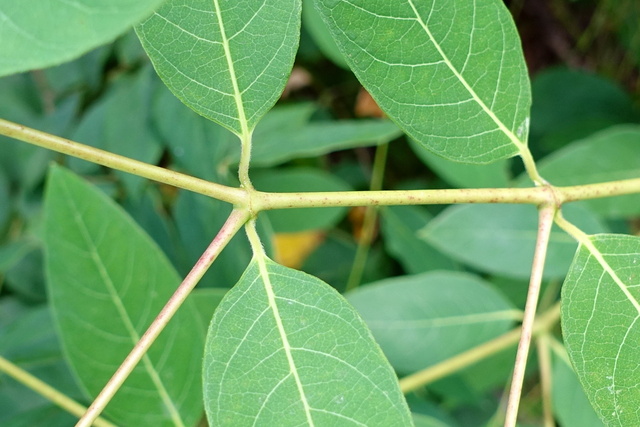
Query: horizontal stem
[544,322]
[46,391]
[122,163]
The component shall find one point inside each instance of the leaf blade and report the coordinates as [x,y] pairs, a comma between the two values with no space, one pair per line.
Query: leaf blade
[107,281]
[318,335]
[452,76]
[207,54]
[600,313]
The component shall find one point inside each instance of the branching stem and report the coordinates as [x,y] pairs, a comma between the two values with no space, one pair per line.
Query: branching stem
[228,230]
[545,221]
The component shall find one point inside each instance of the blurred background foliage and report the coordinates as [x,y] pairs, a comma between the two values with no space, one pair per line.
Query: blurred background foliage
[584,60]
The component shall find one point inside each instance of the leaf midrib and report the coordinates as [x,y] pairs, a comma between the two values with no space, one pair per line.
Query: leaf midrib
[271,297]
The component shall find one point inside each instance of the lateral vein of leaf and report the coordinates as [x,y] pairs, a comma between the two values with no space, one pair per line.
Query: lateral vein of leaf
[122,311]
[237,95]
[264,273]
[514,139]
[605,265]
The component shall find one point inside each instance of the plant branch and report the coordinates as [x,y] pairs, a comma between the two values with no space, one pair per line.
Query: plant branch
[47,391]
[228,230]
[545,221]
[543,323]
[369,222]
[232,195]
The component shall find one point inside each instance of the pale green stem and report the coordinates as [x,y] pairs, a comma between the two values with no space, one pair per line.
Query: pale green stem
[530,167]
[42,139]
[228,230]
[48,392]
[370,220]
[545,222]
[544,322]
[266,201]
[245,160]
[254,239]
[544,363]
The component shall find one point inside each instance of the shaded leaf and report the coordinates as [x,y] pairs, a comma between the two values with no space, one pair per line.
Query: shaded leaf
[600,324]
[501,239]
[57,31]
[424,319]
[400,226]
[450,74]
[107,281]
[227,60]
[286,349]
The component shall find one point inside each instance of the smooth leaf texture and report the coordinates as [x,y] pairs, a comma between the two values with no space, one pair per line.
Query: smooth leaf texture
[400,226]
[601,325]
[227,59]
[500,239]
[609,155]
[107,281]
[424,319]
[285,349]
[450,73]
[49,32]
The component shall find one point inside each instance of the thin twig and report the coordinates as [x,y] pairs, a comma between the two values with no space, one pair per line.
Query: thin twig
[433,373]
[545,222]
[228,230]
[48,392]
[369,222]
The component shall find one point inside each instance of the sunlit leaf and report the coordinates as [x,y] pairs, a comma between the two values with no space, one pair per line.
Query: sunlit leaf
[450,73]
[286,349]
[601,324]
[107,281]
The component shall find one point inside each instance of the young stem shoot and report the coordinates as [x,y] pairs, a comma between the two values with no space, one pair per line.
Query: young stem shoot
[236,219]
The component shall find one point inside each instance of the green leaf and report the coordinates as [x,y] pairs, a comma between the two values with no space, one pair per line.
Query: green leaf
[571,104]
[400,226]
[424,319]
[300,179]
[227,60]
[600,313]
[465,175]
[450,73]
[317,138]
[50,32]
[570,405]
[107,281]
[286,349]
[121,123]
[312,22]
[609,155]
[500,239]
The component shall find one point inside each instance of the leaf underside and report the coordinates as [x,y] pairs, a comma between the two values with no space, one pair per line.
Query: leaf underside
[284,348]
[227,60]
[451,74]
[601,325]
